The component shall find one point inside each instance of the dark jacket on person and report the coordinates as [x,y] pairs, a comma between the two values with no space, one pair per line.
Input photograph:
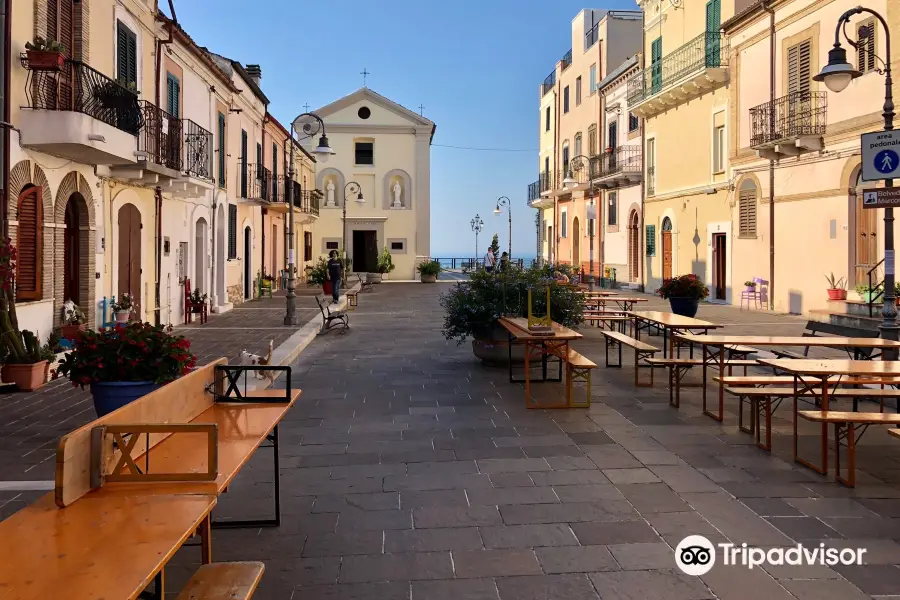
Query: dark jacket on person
[334,269]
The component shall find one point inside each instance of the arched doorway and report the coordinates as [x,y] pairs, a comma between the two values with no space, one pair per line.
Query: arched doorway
[221,296]
[576,244]
[248,267]
[129,270]
[634,246]
[75,250]
[667,248]
[200,256]
[864,237]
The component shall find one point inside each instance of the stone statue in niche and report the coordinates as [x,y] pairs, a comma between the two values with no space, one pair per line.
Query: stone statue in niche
[329,194]
[396,190]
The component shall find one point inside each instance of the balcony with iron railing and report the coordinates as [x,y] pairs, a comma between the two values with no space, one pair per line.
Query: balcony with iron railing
[307,201]
[690,71]
[789,126]
[566,60]
[548,83]
[546,182]
[284,190]
[79,113]
[255,183]
[534,192]
[620,167]
[160,139]
[198,149]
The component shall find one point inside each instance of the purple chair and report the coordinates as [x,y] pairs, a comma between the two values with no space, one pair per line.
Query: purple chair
[759,295]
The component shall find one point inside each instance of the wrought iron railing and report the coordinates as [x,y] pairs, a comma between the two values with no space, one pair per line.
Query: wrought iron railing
[795,115]
[198,146]
[549,82]
[259,182]
[160,137]
[307,201]
[546,181]
[707,51]
[876,289]
[592,36]
[78,87]
[566,60]
[623,159]
[651,181]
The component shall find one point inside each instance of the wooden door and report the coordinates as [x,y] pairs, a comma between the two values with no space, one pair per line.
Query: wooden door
[719,265]
[866,240]
[130,252]
[71,248]
[576,244]
[634,244]
[371,246]
[667,255]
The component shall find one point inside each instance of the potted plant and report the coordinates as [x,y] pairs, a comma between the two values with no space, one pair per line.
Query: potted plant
[117,95]
[74,320]
[22,364]
[429,271]
[868,294]
[684,294]
[384,266]
[122,307]
[44,55]
[126,362]
[317,274]
[267,281]
[471,308]
[197,301]
[750,286]
[837,287]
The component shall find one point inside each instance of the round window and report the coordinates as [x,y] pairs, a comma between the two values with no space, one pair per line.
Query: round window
[364,112]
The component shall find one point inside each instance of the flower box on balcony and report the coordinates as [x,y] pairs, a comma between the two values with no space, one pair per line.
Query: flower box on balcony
[45,60]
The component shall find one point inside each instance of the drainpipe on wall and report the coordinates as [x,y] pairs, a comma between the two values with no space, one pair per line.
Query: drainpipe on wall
[158,192]
[5,50]
[642,227]
[768,8]
[556,167]
[263,211]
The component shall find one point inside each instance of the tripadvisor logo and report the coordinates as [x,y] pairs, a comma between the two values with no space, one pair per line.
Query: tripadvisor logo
[696,555]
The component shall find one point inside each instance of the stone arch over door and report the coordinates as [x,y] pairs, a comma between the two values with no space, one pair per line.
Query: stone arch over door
[75,230]
[337,178]
[21,176]
[406,197]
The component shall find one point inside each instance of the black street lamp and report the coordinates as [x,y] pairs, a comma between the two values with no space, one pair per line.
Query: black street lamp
[504,201]
[577,165]
[477,225]
[309,124]
[837,75]
[351,187]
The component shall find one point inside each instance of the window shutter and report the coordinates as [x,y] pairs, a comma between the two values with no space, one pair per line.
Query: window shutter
[126,46]
[29,267]
[259,156]
[243,164]
[651,240]
[799,67]
[655,64]
[866,47]
[221,150]
[173,89]
[747,203]
[307,245]
[232,231]
[713,16]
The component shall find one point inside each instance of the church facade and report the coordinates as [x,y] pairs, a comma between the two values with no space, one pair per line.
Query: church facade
[377,186]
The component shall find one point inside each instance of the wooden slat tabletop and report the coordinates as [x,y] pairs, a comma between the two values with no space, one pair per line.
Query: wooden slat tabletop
[833,367]
[671,320]
[762,340]
[518,327]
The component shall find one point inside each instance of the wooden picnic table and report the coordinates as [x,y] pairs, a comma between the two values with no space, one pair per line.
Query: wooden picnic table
[812,374]
[714,352]
[108,545]
[556,344]
[668,322]
[624,303]
[598,293]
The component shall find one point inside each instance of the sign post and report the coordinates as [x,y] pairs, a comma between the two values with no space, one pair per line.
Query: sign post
[880,155]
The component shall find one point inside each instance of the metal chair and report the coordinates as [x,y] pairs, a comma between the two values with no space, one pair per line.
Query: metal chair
[332,319]
[759,294]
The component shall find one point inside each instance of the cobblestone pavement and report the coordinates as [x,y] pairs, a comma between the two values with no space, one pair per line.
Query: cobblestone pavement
[409,471]
[32,423]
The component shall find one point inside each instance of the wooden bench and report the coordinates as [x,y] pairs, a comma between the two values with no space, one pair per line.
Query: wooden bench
[773,396]
[224,581]
[352,299]
[679,367]
[578,368]
[609,320]
[332,319]
[846,426]
[642,351]
[816,328]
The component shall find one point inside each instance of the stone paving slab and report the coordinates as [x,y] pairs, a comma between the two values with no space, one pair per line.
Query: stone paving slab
[411,472]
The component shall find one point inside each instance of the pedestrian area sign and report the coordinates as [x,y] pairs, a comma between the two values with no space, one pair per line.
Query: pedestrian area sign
[881,155]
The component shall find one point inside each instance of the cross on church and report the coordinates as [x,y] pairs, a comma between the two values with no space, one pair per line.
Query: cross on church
[421,110]
[306,107]
[365,73]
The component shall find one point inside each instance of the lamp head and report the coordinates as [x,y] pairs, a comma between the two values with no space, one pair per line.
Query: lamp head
[569,182]
[497,210]
[323,151]
[838,73]
[359,198]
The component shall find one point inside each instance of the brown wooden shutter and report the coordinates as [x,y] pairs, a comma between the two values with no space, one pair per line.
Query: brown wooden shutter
[747,203]
[799,67]
[865,50]
[29,265]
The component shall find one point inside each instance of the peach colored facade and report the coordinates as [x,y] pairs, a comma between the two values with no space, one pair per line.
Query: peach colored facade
[815,143]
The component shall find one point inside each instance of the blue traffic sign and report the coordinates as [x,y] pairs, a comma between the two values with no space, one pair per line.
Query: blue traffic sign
[886,161]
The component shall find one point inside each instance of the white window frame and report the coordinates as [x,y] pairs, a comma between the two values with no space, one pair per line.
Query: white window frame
[719,138]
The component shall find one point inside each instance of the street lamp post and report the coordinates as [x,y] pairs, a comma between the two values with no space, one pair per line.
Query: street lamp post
[359,200]
[477,225]
[837,75]
[592,225]
[504,201]
[577,165]
[309,124]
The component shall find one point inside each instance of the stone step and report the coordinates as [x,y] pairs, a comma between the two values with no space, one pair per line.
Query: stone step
[852,306]
[848,320]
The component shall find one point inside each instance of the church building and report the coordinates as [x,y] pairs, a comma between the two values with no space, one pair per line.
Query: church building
[380,178]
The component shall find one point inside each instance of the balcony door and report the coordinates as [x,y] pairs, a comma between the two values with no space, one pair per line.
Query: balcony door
[634,246]
[667,248]
[656,65]
[130,252]
[611,141]
[713,25]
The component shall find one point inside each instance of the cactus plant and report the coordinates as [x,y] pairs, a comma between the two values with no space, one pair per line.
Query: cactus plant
[18,347]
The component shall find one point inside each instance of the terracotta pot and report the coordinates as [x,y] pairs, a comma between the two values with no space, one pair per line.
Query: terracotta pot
[42,60]
[69,331]
[326,288]
[26,377]
[428,278]
[837,294]
[122,316]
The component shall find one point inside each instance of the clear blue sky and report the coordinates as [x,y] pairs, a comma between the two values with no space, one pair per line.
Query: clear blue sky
[474,64]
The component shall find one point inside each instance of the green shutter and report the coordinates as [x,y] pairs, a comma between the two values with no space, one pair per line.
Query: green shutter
[713,25]
[650,242]
[243,164]
[221,150]
[232,231]
[173,89]
[656,65]
[126,54]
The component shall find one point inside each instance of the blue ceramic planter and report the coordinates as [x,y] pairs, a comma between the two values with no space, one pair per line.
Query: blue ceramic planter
[110,395]
[686,307]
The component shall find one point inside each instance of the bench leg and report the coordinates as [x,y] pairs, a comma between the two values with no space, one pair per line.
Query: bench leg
[849,433]
[205,532]
[254,523]
[159,587]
